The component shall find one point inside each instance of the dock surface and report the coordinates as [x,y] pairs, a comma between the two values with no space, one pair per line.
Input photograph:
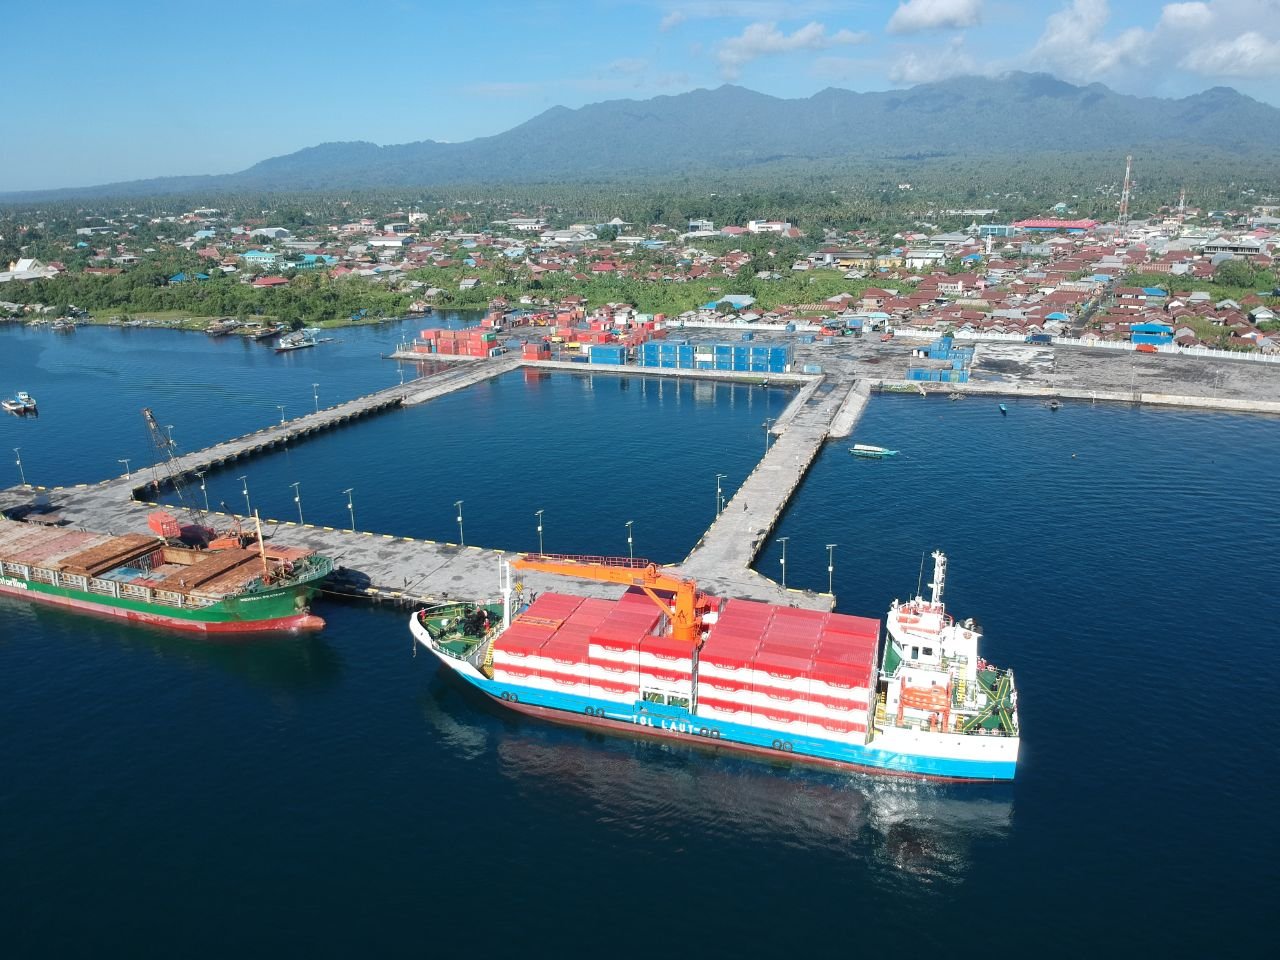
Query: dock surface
[408,571]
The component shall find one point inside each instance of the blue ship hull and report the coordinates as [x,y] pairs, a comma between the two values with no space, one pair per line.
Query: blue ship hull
[648,719]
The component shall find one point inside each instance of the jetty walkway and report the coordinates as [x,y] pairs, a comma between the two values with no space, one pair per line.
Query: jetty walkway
[410,572]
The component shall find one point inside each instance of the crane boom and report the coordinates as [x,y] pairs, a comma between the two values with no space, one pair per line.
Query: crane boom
[687,606]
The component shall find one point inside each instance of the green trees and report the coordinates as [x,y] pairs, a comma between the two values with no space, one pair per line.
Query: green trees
[1235,273]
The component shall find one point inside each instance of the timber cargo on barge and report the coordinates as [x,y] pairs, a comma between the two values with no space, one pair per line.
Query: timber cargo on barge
[147,579]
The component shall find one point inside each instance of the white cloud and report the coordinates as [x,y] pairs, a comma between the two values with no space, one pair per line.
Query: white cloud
[765,39]
[1216,38]
[673,19]
[928,66]
[1073,44]
[917,15]
[1247,55]
[1185,16]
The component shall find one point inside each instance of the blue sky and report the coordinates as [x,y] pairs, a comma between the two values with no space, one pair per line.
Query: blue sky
[117,91]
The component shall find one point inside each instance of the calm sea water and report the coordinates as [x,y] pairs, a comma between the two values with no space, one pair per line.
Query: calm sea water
[334,795]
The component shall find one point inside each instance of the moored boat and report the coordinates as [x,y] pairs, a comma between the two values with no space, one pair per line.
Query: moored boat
[669,662]
[20,403]
[298,339]
[146,579]
[871,452]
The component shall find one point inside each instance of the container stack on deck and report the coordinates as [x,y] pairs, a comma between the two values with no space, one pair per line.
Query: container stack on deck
[799,672]
[789,671]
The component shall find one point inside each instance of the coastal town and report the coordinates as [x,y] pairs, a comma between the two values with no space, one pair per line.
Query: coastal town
[1187,279]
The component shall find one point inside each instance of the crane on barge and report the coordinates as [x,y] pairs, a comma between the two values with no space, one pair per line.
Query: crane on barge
[685,609]
[200,530]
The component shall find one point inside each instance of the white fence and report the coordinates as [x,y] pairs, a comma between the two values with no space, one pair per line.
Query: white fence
[1206,352]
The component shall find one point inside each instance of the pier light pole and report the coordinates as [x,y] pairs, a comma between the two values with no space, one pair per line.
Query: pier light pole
[631,553]
[17,452]
[204,490]
[280,407]
[244,488]
[351,506]
[315,395]
[297,498]
[538,514]
[767,424]
[783,561]
[128,474]
[401,366]
[719,495]
[831,565]
[462,540]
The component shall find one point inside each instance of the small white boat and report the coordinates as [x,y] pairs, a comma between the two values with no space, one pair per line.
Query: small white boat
[871,452]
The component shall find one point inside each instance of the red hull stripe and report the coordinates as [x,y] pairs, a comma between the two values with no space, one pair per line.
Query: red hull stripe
[299,621]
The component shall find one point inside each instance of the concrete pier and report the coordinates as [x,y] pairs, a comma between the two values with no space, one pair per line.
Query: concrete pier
[402,570]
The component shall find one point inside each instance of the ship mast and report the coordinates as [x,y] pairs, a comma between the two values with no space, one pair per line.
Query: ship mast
[939,577]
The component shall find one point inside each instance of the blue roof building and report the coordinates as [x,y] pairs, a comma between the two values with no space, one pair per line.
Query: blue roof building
[1153,333]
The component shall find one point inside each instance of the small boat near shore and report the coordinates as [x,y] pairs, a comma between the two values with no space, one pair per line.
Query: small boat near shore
[297,340]
[871,452]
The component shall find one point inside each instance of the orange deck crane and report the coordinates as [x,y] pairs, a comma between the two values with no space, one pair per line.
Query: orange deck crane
[685,609]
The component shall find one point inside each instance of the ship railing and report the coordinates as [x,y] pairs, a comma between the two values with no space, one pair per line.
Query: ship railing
[630,563]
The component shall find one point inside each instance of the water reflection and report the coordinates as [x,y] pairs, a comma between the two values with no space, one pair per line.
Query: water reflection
[278,662]
[657,789]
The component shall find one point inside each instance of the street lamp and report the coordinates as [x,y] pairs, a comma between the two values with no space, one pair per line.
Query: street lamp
[244,488]
[351,507]
[831,565]
[204,490]
[128,475]
[719,495]
[297,498]
[18,454]
[462,541]
[315,395]
[538,514]
[401,375]
[630,548]
[280,407]
[767,424]
[783,561]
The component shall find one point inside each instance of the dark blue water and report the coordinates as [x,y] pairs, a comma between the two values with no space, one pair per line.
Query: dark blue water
[333,795]
[93,384]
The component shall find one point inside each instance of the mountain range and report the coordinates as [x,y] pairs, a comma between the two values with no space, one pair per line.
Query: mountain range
[731,128]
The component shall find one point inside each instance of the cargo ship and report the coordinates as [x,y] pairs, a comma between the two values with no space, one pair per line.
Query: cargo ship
[147,579]
[668,661]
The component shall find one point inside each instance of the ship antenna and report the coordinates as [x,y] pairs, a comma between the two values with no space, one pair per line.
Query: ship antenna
[920,578]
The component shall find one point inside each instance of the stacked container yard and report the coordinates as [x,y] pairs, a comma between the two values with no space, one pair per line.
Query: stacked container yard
[614,354]
[470,342]
[952,362]
[743,356]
